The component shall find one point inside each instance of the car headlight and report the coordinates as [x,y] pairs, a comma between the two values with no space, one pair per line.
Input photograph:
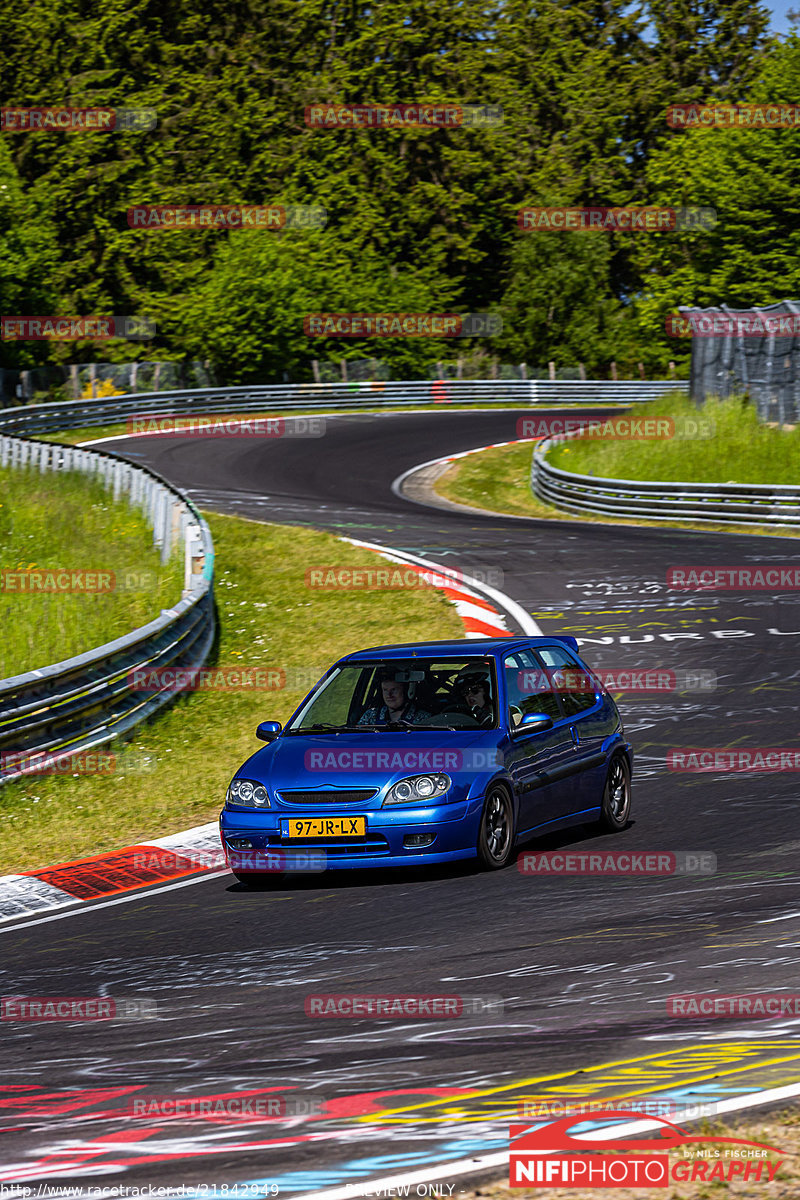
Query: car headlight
[246,794]
[416,788]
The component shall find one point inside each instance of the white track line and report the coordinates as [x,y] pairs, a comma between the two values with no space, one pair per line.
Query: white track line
[515,611]
[85,906]
[487,1162]
[397,485]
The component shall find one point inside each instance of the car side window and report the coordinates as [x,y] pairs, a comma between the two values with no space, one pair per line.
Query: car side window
[528,689]
[574,683]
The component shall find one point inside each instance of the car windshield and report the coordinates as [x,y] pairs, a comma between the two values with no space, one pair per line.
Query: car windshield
[433,693]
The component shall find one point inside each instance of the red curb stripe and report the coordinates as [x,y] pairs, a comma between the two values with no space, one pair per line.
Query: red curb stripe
[468,598]
[492,631]
[108,874]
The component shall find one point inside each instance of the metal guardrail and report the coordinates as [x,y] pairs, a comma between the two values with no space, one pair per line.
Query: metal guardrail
[89,700]
[43,418]
[733,503]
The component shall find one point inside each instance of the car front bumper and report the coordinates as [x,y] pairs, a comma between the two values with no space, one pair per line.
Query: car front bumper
[453,828]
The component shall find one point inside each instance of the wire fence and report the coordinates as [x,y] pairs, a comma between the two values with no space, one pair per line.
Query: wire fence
[748,351]
[87,381]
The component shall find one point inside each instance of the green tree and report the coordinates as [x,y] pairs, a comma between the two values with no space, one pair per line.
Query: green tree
[752,178]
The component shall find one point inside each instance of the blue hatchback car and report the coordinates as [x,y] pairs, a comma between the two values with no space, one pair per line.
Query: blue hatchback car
[427,753]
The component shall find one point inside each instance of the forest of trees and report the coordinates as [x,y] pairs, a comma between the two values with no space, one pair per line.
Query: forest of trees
[418,220]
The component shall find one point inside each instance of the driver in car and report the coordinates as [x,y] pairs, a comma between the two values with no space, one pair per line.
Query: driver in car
[397,704]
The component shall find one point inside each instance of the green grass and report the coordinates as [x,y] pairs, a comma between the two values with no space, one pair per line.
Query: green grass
[68,521]
[498,480]
[741,449]
[176,770]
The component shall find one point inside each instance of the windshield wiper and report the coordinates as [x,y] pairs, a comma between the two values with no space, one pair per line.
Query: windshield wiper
[320,727]
[386,725]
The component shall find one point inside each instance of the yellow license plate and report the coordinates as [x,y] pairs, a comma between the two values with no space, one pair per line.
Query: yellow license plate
[322,827]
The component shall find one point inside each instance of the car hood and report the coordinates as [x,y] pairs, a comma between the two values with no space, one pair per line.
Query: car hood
[350,760]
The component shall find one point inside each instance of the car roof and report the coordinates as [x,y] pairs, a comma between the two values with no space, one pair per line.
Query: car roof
[472,648]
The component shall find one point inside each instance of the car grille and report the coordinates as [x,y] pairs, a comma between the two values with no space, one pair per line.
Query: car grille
[346,848]
[370,844]
[329,796]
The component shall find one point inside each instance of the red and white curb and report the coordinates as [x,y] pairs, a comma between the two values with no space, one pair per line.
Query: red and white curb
[198,850]
[158,861]
[397,486]
[477,604]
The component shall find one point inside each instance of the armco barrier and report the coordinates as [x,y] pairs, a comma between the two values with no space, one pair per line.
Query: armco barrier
[87,701]
[734,503]
[43,418]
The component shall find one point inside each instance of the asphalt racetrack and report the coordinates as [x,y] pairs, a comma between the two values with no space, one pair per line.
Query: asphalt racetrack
[584,965]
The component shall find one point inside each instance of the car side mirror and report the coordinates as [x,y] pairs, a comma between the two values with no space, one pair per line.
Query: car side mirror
[534,723]
[268,730]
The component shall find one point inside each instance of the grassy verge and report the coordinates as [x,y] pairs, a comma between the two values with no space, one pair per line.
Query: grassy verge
[67,521]
[176,770]
[731,446]
[498,481]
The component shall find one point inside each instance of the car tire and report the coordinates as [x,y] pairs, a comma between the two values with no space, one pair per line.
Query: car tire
[615,807]
[496,833]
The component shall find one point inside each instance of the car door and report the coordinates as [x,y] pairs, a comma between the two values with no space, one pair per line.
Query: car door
[541,764]
[589,721]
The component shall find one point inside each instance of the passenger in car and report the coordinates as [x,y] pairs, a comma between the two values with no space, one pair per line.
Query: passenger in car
[474,687]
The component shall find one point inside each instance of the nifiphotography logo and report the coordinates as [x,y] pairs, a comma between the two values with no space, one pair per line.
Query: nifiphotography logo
[550,1156]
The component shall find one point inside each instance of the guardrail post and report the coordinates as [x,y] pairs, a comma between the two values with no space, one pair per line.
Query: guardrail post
[175,525]
[157,516]
[194,561]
